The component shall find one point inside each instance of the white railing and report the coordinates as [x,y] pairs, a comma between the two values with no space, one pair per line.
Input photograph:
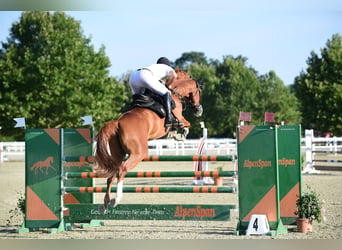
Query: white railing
[190,147]
[222,146]
[315,145]
[16,150]
[10,151]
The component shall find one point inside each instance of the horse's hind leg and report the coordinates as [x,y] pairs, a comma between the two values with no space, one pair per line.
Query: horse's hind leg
[118,156]
[129,164]
[109,186]
[103,208]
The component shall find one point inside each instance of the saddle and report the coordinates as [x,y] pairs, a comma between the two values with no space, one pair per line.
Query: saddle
[151,101]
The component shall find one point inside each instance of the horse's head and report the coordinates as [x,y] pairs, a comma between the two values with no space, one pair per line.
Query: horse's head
[187,90]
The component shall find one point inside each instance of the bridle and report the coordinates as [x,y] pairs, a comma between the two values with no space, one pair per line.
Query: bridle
[186,101]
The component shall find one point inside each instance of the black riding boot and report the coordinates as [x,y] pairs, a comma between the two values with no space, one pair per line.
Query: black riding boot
[169,121]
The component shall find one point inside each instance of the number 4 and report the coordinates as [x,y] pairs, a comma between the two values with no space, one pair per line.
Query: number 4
[255,224]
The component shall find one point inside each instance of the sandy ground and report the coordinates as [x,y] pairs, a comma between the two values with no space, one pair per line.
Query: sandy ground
[328,184]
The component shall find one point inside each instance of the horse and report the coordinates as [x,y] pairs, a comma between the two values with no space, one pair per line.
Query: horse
[130,133]
[43,164]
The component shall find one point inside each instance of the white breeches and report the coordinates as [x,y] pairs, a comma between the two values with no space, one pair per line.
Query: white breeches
[145,79]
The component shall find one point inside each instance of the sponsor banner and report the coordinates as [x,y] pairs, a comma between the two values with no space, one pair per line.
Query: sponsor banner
[80,212]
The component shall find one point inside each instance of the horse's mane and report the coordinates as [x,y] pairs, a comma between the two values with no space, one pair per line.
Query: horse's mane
[182,80]
[181,75]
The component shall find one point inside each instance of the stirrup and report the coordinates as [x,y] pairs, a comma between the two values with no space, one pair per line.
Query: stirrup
[173,123]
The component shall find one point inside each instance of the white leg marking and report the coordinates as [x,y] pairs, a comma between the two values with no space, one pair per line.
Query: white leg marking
[119,193]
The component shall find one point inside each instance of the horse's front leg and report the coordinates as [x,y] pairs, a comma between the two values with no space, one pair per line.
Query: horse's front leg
[182,136]
[173,134]
[185,130]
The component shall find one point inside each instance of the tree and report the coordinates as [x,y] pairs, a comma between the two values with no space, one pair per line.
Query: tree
[231,86]
[277,98]
[188,58]
[51,75]
[239,87]
[319,89]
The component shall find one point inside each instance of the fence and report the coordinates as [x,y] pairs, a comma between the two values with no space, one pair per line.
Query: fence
[11,151]
[16,150]
[190,147]
[322,153]
[311,146]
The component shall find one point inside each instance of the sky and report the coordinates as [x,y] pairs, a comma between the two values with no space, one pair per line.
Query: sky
[271,34]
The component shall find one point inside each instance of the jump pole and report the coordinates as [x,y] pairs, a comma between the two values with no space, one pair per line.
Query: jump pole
[154,174]
[90,159]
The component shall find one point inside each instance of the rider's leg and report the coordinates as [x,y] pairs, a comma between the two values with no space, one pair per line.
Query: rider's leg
[136,83]
[145,79]
[169,121]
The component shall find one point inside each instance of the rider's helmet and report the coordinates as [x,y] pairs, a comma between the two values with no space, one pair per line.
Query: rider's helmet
[164,60]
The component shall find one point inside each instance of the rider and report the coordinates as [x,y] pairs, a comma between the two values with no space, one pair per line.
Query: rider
[151,77]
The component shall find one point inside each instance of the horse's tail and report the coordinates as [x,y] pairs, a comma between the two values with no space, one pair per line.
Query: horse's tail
[106,138]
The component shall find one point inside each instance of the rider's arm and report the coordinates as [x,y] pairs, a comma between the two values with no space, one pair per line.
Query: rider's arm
[172,75]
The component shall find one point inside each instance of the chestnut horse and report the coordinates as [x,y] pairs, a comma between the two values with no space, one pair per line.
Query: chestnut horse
[129,134]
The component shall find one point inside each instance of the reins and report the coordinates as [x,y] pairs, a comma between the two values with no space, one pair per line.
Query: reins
[184,99]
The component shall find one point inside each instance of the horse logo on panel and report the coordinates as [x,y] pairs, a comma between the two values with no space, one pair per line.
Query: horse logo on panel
[43,164]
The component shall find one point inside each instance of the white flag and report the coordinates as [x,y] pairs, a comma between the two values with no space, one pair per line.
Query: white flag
[87,120]
[20,122]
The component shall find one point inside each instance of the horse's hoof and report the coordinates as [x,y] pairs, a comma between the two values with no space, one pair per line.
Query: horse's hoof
[171,134]
[113,203]
[102,209]
[180,137]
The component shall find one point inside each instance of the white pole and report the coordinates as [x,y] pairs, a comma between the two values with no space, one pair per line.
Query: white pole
[1,153]
[335,145]
[309,167]
[206,180]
